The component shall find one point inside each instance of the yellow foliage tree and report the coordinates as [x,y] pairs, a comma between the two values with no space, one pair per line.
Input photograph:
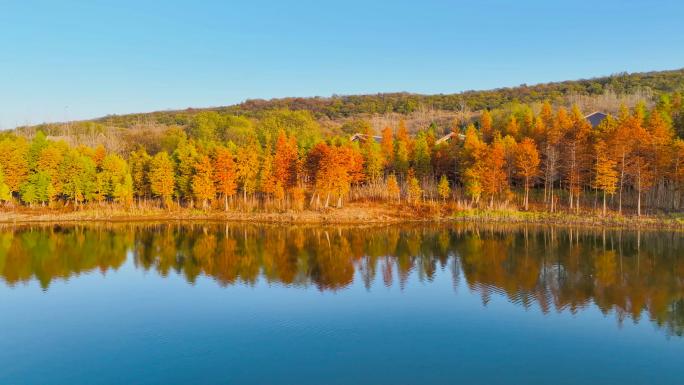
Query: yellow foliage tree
[486,126]
[606,177]
[415,192]
[203,181]
[162,179]
[393,187]
[443,188]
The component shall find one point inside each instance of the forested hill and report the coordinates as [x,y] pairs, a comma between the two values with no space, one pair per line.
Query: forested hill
[341,116]
[337,107]
[341,106]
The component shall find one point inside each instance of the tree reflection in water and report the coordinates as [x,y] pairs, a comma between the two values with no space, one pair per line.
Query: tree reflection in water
[632,274]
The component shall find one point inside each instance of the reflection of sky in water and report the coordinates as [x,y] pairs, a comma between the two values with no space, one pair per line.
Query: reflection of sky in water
[135,326]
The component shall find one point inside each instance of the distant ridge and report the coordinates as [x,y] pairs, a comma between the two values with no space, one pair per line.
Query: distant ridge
[343,106]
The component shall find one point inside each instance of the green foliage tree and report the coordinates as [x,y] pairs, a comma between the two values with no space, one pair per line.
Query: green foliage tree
[374,161]
[77,176]
[354,126]
[185,157]
[38,144]
[401,157]
[38,189]
[421,157]
[5,193]
[28,194]
[123,191]
[211,126]
[300,124]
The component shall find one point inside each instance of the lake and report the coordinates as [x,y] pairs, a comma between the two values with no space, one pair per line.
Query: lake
[271,304]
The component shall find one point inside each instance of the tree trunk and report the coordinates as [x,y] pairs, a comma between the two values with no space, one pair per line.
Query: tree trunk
[527,193]
[570,196]
[622,178]
[311,201]
[604,203]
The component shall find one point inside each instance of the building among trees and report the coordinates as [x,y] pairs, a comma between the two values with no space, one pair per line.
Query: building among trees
[361,138]
[595,118]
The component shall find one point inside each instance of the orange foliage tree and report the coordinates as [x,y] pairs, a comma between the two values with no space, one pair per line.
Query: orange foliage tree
[640,165]
[494,180]
[14,162]
[576,155]
[224,174]
[387,144]
[338,168]
[284,164]
[527,164]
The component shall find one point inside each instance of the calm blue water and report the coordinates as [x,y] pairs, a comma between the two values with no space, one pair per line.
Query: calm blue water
[439,318]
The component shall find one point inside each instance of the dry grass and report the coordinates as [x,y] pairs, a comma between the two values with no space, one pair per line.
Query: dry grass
[353,213]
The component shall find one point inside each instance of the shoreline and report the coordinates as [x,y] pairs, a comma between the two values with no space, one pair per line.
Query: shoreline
[357,214]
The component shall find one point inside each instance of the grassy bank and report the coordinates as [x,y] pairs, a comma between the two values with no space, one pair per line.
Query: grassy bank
[357,213]
[674,221]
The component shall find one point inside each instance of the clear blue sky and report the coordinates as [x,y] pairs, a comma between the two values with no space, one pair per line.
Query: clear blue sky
[64,60]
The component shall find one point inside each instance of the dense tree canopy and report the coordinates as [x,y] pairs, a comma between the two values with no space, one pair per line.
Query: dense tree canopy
[277,154]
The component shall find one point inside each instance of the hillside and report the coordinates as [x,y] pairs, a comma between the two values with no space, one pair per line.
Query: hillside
[418,110]
[405,103]
[344,115]
[344,106]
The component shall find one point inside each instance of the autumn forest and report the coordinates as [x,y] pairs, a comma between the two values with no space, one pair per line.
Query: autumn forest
[539,155]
